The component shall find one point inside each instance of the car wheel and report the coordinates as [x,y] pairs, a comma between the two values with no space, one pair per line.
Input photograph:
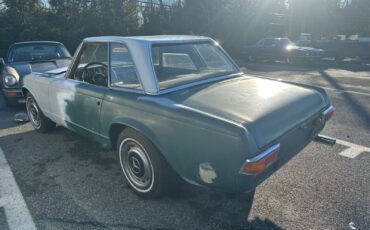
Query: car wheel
[143,166]
[38,120]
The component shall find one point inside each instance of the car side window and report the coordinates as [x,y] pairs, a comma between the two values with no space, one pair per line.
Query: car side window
[92,65]
[269,43]
[122,68]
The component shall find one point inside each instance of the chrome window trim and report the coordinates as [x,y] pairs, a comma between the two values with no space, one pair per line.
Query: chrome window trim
[259,157]
[149,47]
[124,89]
[78,51]
[69,70]
[196,83]
[128,90]
[153,88]
[172,89]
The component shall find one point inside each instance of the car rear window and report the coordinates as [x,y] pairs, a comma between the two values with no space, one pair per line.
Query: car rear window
[180,64]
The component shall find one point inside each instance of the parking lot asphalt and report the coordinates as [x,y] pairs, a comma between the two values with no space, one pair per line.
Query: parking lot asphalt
[68,182]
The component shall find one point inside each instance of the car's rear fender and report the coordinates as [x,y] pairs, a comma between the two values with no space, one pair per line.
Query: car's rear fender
[197,153]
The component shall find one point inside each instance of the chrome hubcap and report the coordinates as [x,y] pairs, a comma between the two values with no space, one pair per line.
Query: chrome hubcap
[136,165]
[33,112]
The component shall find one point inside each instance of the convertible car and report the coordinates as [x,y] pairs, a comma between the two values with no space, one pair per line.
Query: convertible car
[177,107]
[24,58]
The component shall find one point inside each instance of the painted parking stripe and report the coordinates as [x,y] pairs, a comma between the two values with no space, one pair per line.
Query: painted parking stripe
[353,150]
[17,214]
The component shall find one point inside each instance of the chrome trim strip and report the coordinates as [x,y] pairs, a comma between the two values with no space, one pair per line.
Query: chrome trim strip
[126,89]
[259,157]
[214,79]
[16,90]
[73,60]
[328,110]
[150,48]
[163,91]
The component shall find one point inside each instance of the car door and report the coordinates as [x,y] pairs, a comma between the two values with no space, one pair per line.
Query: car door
[78,98]
[269,49]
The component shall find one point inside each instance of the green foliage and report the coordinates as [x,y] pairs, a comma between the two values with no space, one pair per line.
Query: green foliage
[232,22]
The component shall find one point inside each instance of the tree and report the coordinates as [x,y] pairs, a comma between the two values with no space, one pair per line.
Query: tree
[20,21]
[73,20]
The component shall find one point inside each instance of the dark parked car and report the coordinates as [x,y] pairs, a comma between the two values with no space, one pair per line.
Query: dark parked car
[282,49]
[26,57]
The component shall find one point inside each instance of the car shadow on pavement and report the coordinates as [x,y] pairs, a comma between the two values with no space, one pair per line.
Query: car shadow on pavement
[7,116]
[355,105]
[70,182]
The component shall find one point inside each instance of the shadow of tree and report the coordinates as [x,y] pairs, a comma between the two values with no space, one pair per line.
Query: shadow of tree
[88,169]
[356,106]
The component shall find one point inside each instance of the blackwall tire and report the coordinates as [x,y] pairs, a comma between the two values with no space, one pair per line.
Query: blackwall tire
[38,120]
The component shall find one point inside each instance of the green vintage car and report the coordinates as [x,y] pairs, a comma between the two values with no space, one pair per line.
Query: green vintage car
[177,106]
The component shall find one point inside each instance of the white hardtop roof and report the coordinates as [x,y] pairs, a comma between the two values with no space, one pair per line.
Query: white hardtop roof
[140,50]
[158,39]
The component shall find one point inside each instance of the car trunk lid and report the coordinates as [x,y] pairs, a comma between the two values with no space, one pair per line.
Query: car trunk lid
[267,108]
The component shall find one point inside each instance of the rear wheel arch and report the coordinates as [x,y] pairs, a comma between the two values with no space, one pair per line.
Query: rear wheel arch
[139,134]
[114,132]
[118,127]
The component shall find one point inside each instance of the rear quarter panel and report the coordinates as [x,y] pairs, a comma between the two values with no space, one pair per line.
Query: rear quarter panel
[185,138]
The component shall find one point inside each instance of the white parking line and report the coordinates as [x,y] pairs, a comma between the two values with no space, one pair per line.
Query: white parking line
[16,211]
[353,150]
[362,76]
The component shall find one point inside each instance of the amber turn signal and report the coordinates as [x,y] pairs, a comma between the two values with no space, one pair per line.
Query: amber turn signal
[10,94]
[261,162]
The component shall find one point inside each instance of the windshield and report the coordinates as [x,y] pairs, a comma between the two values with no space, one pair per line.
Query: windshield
[37,52]
[182,64]
[285,42]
